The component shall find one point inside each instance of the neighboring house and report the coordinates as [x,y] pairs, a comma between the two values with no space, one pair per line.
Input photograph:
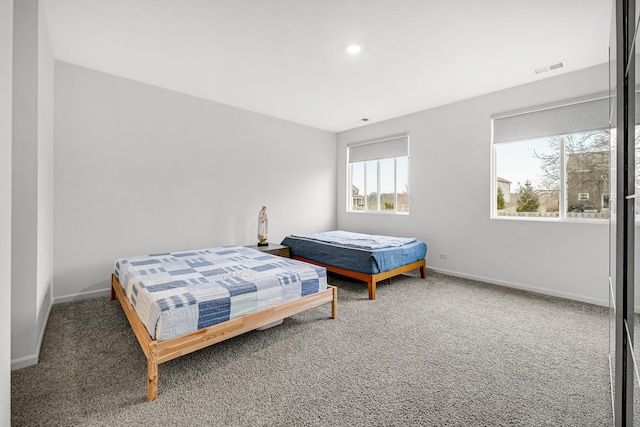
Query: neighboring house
[505,185]
[588,180]
[357,199]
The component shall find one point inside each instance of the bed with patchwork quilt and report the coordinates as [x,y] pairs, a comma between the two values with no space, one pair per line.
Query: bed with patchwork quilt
[179,302]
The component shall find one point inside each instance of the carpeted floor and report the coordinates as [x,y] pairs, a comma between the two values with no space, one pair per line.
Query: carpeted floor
[437,352]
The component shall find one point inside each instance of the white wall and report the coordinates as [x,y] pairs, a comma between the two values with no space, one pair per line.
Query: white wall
[32,196]
[139,169]
[6,63]
[450,180]
[44,278]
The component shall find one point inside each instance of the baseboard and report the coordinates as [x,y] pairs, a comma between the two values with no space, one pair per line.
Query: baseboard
[45,319]
[566,295]
[32,359]
[82,295]
[24,361]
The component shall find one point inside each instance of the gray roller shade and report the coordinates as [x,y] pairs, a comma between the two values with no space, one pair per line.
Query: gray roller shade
[394,146]
[572,117]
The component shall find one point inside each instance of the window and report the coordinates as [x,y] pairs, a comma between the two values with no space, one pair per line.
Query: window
[379,175]
[637,157]
[553,162]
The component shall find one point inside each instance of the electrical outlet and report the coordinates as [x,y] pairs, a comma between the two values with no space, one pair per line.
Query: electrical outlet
[444,256]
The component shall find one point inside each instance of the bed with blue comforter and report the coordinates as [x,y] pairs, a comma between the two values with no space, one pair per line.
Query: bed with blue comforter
[178,302]
[366,257]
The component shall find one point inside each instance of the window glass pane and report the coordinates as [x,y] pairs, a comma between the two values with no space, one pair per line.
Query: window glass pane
[637,156]
[357,186]
[402,183]
[587,174]
[528,178]
[371,185]
[387,185]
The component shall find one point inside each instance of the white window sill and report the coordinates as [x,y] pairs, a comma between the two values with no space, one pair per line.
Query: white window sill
[555,220]
[378,213]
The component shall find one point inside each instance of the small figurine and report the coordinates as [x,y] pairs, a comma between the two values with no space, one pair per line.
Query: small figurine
[263,227]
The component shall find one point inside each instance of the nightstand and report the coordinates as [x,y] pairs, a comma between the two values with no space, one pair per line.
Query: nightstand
[273,249]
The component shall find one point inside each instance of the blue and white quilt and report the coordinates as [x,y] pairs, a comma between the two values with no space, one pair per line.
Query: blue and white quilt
[359,240]
[175,293]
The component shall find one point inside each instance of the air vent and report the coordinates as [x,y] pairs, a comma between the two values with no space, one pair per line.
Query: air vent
[548,68]
[556,66]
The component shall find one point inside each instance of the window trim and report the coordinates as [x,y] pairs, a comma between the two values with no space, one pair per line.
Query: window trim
[349,198]
[562,217]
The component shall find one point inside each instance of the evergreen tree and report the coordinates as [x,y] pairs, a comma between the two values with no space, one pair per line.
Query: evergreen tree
[528,199]
[501,204]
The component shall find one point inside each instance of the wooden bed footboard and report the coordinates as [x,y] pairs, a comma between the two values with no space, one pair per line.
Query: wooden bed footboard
[158,352]
[372,279]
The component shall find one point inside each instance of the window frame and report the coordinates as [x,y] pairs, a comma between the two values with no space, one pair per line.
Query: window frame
[379,210]
[562,205]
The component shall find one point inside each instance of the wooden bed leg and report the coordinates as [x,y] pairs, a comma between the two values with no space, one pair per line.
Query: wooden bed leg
[372,288]
[113,292]
[423,271]
[152,371]
[334,303]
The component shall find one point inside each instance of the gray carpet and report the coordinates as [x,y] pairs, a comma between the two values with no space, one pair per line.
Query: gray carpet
[437,352]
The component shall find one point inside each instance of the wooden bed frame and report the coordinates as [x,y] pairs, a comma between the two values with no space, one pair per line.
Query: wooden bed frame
[372,279]
[158,352]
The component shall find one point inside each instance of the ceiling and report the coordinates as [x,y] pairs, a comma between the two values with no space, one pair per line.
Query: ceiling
[288,59]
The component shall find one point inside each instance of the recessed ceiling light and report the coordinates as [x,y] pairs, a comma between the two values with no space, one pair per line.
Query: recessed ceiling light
[354,48]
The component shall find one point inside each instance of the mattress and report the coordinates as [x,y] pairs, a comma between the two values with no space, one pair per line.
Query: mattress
[175,293]
[367,261]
